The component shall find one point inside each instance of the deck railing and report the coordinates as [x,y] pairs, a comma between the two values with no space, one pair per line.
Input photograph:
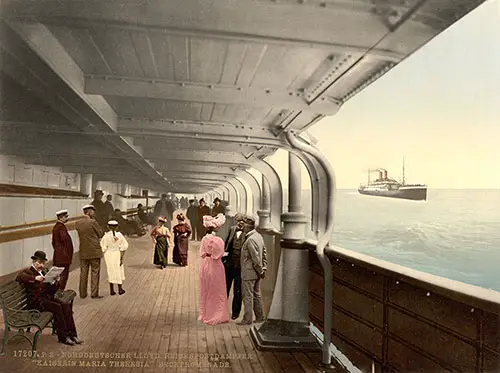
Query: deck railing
[396,319]
[44,227]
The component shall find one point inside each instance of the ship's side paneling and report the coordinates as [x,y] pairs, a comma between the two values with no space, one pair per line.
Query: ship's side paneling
[401,323]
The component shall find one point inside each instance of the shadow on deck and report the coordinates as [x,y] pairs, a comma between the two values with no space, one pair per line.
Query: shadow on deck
[151,328]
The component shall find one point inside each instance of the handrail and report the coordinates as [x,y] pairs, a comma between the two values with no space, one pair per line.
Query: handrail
[33,224]
[38,191]
[129,212]
[477,296]
[323,241]
[41,228]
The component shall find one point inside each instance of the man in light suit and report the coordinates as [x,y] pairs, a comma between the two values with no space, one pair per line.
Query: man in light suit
[253,269]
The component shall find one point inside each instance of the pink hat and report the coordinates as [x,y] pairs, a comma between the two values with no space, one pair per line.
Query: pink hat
[211,222]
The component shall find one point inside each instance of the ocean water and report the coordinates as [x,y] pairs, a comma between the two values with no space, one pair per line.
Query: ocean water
[454,234]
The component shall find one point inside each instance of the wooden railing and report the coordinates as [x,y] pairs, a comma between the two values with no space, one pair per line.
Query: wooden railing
[42,228]
[395,319]
[12,190]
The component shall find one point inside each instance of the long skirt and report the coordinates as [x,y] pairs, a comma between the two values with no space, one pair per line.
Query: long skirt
[180,254]
[116,272]
[161,252]
[213,297]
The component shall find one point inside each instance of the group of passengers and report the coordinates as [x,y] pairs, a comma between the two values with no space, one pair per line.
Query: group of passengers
[241,259]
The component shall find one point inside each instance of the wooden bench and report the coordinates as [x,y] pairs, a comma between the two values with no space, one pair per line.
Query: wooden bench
[17,316]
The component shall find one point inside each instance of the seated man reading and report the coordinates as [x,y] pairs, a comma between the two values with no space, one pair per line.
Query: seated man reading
[41,297]
[143,216]
[127,227]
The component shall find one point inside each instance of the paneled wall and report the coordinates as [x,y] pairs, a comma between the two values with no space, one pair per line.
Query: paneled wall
[16,254]
[14,171]
[19,210]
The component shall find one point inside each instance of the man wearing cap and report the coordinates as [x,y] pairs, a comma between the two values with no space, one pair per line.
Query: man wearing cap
[202,211]
[41,298]
[99,209]
[63,247]
[108,207]
[253,269]
[164,207]
[218,208]
[89,234]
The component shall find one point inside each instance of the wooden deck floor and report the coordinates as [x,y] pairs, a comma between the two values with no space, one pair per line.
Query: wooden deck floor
[151,328]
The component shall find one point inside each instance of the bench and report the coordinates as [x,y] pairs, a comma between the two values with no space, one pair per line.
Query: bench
[17,316]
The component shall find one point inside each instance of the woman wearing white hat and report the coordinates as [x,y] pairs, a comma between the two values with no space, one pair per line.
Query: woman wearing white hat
[114,245]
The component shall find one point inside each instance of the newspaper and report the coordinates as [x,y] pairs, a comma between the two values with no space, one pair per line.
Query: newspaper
[52,274]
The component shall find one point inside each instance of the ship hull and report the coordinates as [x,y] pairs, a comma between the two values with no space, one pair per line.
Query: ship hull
[415,194]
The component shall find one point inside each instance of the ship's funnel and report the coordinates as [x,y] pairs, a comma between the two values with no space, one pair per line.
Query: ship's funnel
[380,175]
[385,175]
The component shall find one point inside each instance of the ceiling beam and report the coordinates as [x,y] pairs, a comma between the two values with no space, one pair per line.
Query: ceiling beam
[168,126]
[242,141]
[153,145]
[175,174]
[195,168]
[86,160]
[207,93]
[58,159]
[345,27]
[202,163]
[171,173]
[65,150]
[248,135]
[211,156]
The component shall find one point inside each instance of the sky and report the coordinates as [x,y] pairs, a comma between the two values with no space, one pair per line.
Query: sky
[439,109]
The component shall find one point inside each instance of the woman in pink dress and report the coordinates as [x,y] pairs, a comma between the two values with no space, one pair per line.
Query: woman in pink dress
[213,297]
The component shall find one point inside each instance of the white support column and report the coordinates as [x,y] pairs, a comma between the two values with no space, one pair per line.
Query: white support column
[265,205]
[125,190]
[86,184]
[287,326]
[295,261]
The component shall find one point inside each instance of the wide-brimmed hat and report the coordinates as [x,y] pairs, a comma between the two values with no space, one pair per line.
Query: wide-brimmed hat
[86,207]
[39,255]
[112,222]
[180,216]
[162,219]
[214,222]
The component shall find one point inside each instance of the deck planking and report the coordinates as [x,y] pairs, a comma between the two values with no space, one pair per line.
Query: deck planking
[158,315]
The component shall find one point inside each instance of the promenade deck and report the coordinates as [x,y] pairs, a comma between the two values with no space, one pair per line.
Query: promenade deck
[151,328]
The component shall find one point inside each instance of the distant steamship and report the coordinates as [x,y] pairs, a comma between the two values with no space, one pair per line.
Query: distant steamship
[387,187]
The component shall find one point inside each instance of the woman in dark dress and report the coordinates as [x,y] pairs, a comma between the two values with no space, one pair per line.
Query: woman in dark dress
[161,237]
[181,241]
